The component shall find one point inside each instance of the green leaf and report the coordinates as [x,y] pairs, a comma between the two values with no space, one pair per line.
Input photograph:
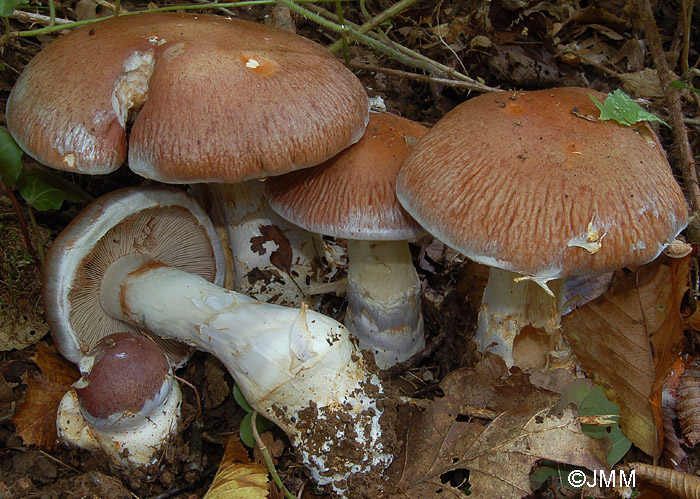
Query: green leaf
[7,7]
[238,396]
[45,190]
[246,429]
[10,158]
[591,401]
[620,107]
[684,86]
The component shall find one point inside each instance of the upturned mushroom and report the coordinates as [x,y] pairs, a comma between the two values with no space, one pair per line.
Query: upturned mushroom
[207,99]
[352,196]
[126,404]
[296,367]
[534,186]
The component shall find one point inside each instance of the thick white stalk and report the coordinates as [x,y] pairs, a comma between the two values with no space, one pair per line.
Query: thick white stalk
[273,259]
[296,367]
[384,309]
[512,304]
[129,439]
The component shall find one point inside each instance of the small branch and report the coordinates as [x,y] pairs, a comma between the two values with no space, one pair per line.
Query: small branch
[23,226]
[266,457]
[673,103]
[31,17]
[394,50]
[392,11]
[419,77]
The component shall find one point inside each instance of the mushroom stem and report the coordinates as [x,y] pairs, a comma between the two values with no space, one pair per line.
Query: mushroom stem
[384,309]
[510,304]
[272,258]
[297,367]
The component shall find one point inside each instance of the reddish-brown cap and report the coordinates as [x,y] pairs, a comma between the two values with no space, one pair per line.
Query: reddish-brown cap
[533,183]
[220,100]
[128,371]
[353,194]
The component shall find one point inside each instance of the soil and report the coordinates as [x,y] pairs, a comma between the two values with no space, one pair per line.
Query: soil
[506,44]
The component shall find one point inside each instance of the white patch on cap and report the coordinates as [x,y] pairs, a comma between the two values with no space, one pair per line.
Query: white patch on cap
[131,87]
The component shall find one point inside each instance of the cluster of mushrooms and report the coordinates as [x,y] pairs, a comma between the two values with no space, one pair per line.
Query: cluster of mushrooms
[529,183]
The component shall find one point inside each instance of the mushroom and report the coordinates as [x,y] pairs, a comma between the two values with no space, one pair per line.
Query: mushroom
[126,403]
[530,184]
[207,99]
[296,367]
[172,229]
[352,196]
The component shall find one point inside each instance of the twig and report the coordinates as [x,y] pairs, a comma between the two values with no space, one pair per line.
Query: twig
[23,226]
[673,103]
[59,461]
[394,50]
[68,24]
[385,15]
[418,77]
[31,17]
[266,457]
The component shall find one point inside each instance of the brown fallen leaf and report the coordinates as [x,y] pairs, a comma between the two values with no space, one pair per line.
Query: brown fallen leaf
[499,455]
[237,476]
[627,339]
[682,485]
[36,418]
[688,404]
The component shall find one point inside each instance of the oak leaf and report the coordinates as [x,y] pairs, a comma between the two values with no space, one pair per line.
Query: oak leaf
[442,439]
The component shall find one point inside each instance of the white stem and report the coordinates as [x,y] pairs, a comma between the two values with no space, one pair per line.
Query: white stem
[509,305]
[273,259]
[297,367]
[132,439]
[384,309]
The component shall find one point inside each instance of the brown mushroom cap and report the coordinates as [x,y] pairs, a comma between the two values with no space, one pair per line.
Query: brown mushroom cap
[223,100]
[521,180]
[128,371]
[352,195]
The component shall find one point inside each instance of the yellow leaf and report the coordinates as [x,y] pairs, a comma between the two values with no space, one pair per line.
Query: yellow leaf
[237,477]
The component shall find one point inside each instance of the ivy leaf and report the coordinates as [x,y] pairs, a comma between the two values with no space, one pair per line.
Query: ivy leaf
[246,430]
[591,401]
[10,158]
[620,107]
[240,399]
[7,7]
[46,191]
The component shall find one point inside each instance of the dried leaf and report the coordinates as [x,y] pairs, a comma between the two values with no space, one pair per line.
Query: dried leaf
[688,404]
[237,476]
[627,339]
[36,418]
[500,455]
[683,485]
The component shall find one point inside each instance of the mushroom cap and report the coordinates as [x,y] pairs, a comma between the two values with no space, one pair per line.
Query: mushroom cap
[222,100]
[126,375]
[523,181]
[352,195]
[163,224]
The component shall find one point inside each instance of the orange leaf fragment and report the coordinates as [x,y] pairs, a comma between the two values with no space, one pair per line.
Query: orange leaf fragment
[35,420]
